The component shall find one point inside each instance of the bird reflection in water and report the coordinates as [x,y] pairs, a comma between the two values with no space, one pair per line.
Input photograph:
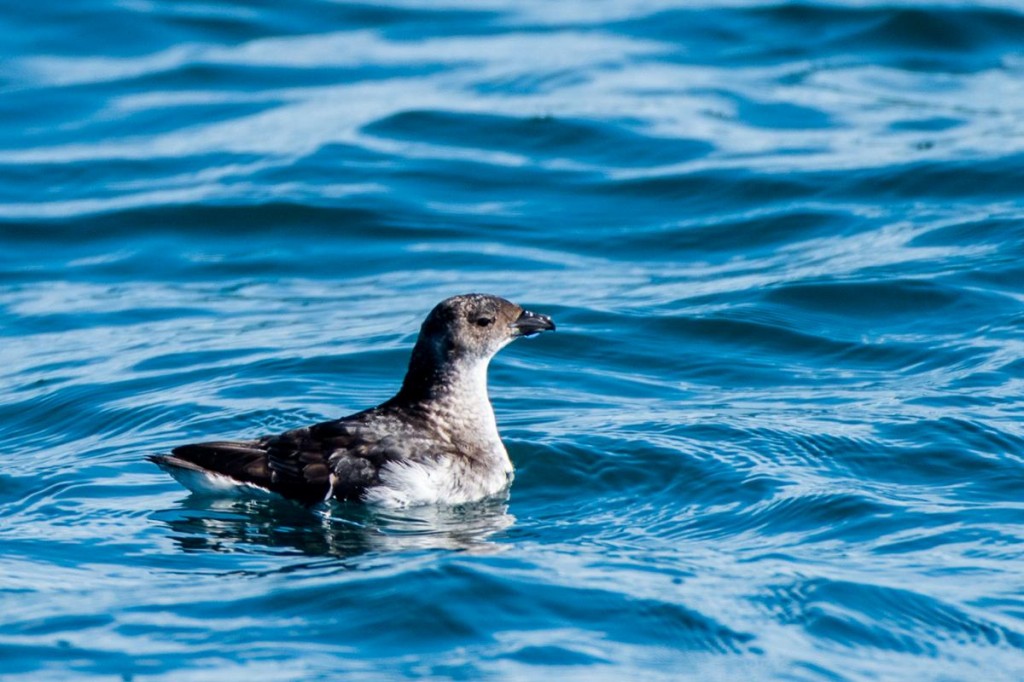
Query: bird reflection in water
[338,529]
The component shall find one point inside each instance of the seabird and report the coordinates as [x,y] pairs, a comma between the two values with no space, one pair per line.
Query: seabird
[434,442]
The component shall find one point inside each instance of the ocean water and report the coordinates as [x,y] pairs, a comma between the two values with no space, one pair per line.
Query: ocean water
[778,435]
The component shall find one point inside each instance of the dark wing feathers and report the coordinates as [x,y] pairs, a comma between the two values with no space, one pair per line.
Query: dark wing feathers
[298,464]
[244,461]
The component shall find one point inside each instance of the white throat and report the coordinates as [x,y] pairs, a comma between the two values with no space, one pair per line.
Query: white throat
[467,409]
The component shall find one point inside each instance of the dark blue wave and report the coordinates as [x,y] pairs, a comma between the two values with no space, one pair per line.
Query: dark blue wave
[776,436]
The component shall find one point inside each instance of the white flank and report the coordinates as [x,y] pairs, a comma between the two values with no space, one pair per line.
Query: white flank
[409,484]
[210,484]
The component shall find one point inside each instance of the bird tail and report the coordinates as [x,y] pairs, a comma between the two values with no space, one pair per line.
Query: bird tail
[218,469]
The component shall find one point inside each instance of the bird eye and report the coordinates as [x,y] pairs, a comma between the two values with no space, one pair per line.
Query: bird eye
[484,321]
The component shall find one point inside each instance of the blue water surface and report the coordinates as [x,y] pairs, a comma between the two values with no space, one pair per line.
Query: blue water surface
[779,434]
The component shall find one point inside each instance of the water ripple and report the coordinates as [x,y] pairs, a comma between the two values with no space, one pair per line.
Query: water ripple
[777,435]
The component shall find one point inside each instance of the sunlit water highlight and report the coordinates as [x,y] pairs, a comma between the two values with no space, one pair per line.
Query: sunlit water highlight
[778,434]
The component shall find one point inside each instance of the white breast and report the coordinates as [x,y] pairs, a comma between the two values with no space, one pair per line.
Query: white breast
[445,481]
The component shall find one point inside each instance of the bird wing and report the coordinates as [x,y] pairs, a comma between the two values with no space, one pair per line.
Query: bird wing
[297,464]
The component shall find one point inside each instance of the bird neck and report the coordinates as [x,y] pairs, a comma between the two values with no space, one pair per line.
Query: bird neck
[451,389]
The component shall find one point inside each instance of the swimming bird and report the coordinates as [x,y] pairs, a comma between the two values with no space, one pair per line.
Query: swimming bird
[435,442]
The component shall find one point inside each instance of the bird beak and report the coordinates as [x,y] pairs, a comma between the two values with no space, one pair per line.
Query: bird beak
[529,323]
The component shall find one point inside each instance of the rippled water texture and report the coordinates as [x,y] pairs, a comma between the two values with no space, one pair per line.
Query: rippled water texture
[778,435]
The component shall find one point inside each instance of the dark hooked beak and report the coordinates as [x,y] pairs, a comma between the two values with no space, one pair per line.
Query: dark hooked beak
[529,323]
